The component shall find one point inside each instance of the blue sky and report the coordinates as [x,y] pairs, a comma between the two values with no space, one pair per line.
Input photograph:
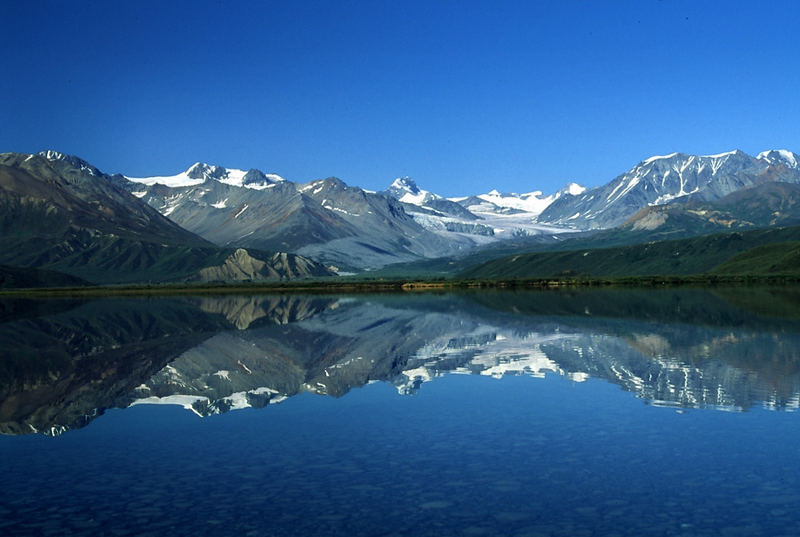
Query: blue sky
[461,96]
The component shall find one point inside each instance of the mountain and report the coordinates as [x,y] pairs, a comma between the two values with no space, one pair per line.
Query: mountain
[406,191]
[494,216]
[763,205]
[532,203]
[51,193]
[352,230]
[326,219]
[58,212]
[662,179]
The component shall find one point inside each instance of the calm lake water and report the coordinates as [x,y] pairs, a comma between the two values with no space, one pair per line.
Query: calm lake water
[552,413]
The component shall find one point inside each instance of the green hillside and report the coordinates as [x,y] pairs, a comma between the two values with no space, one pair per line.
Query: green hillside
[779,259]
[21,277]
[675,257]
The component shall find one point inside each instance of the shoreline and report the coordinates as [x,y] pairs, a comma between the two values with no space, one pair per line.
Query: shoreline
[397,286]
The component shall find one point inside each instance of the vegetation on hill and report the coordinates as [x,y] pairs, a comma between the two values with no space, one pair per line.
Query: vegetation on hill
[16,277]
[677,257]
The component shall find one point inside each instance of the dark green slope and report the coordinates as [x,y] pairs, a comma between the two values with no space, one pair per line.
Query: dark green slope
[21,277]
[778,259]
[677,257]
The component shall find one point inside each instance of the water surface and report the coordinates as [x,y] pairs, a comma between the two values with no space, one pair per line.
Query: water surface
[601,412]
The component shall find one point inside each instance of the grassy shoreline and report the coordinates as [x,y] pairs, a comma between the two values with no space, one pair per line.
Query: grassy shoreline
[398,285]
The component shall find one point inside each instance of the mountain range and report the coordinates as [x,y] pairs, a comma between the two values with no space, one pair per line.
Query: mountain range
[663,179]
[58,212]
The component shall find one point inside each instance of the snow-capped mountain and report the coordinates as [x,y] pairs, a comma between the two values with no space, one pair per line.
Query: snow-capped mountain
[533,203]
[404,189]
[494,216]
[199,173]
[326,219]
[58,212]
[781,156]
[355,229]
[663,179]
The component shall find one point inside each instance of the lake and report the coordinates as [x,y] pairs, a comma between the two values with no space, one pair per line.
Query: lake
[597,412]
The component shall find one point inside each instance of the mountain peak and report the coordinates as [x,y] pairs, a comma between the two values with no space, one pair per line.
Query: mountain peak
[406,190]
[201,170]
[573,189]
[77,162]
[406,184]
[736,152]
[660,157]
[780,156]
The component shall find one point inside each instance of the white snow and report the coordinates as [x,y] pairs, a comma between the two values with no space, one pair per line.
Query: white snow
[232,177]
[171,181]
[531,202]
[720,155]
[414,199]
[186,401]
[619,185]
[140,194]
[575,189]
[658,157]
[419,198]
[331,208]
[220,204]
[243,209]
[237,400]
[787,156]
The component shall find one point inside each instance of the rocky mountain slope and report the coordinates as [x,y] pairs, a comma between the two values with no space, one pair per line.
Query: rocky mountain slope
[354,229]
[326,219]
[662,179]
[58,212]
[764,205]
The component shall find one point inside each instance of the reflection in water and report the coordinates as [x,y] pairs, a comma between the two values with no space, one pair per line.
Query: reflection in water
[63,366]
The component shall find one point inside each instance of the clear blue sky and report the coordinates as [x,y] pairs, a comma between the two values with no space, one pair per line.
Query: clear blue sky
[462,96]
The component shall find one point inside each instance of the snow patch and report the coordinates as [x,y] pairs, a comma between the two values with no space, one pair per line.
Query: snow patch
[223,374]
[720,155]
[186,401]
[779,154]
[658,157]
[531,202]
[243,209]
[231,177]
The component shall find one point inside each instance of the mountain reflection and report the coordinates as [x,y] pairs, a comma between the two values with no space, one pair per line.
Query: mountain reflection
[64,362]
